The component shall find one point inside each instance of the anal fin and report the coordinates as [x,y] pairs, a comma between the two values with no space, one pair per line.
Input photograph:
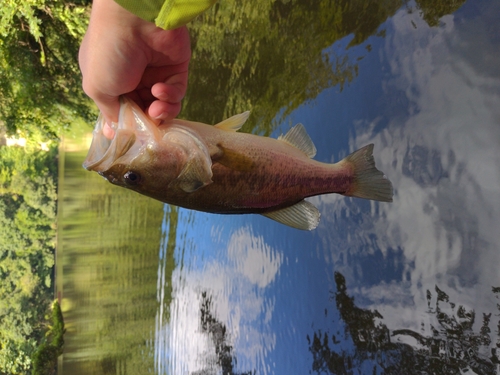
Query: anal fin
[302,215]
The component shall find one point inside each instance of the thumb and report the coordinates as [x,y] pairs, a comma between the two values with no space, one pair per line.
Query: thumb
[109,107]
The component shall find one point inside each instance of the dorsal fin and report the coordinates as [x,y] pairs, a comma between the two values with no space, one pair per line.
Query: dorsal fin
[233,123]
[298,137]
[302,215]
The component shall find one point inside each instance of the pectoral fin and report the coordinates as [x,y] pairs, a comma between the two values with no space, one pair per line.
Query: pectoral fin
[233,123]
[298,137]
[194,176]
[302,215]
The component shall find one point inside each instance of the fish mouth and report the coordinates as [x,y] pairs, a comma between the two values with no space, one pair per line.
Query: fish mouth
[130,134]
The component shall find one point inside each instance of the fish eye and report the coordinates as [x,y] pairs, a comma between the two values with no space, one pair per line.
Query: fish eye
[132,178]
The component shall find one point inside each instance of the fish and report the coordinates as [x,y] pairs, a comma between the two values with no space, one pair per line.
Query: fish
[216,169]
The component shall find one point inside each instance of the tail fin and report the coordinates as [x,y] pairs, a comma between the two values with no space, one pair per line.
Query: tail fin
[369,182]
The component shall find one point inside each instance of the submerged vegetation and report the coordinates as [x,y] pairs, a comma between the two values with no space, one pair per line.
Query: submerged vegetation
[266,56]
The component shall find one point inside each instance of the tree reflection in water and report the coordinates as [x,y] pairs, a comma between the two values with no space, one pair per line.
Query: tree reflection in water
[453,347]
[225,359]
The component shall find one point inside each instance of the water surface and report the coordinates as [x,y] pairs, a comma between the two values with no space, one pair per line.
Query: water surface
[409,287]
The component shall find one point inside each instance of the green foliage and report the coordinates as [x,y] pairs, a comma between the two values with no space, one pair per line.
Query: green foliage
[45,356]
[40,84]
[58,329]
[45,359]
[15,356]
[27,217]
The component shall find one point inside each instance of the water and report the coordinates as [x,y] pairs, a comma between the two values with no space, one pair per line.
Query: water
[409,287]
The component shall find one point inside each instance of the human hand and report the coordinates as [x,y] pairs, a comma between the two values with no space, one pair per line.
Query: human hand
[123,54]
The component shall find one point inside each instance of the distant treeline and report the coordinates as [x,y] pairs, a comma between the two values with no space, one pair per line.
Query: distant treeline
[266,56]
[28,196]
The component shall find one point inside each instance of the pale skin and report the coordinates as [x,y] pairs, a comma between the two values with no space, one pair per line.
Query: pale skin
[122,54]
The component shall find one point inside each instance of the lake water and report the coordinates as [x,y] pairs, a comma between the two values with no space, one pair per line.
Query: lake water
[409,287]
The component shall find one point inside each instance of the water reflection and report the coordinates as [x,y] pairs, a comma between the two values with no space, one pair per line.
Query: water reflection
[391,289]
[107,249]
[453,347]
[218,307]
[443,156]
[442,151]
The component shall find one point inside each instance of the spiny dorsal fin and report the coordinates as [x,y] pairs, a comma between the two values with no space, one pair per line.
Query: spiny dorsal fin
[302,215]
[233,123]
[298,137]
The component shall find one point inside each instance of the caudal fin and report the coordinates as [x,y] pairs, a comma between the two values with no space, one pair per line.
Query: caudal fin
[369,182]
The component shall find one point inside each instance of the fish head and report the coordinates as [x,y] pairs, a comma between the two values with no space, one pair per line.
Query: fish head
[146,158]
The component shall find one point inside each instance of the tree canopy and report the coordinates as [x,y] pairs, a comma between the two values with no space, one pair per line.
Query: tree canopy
[40,83]
[28,180]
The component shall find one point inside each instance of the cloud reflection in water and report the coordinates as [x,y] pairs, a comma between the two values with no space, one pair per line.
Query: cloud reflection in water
[437,139]
[442,157]
[220,310]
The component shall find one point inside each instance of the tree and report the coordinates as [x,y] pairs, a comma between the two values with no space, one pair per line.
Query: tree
[45,357]
[40,85]
[28,183]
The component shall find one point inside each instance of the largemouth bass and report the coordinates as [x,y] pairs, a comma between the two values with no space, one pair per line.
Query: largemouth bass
[216,169]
